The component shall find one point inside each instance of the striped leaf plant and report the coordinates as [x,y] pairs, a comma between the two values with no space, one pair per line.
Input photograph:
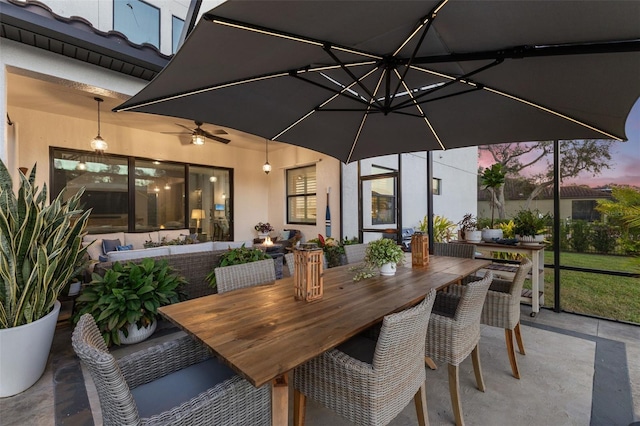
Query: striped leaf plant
[40,247]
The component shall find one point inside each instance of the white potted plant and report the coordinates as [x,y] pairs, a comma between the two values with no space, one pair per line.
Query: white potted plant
[40,251]
[469,229]
[385,254]
[263,229]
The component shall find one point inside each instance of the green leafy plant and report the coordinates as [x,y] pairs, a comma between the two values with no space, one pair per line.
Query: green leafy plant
[442,228]
[529,222]
[580,236]
[604,237]
[492,179]
[237,256]
[332,248]
[129,294]
[467,223]
[378,252]
[40,248]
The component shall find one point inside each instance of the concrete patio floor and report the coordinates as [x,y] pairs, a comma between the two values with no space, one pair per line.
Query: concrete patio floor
[577,371]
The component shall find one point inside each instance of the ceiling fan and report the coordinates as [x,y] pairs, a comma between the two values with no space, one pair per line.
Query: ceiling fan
[198,135]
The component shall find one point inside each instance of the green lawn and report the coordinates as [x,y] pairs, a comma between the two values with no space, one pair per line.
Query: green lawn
[602,295]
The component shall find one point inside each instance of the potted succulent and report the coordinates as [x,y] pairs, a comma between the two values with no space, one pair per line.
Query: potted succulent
[469,229]
[385,254]
[125,301]
[40,251]
[529,226]
[492,179]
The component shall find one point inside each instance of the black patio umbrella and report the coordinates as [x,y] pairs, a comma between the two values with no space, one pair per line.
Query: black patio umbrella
[358,79]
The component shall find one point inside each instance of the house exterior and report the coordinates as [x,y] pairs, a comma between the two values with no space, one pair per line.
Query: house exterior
[57,56]
[577,202]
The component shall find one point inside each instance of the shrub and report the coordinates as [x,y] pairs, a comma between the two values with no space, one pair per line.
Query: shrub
[237,256]
[579,240]
[604,237]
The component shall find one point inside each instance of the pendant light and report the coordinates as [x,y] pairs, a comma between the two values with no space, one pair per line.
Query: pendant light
[98,144]
[266,167]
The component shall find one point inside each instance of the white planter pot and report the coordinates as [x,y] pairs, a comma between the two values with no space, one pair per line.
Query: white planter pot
[490,235]
[136,334]
[262,235]
[473,236]
[531,240]
[388,269]
[24,351]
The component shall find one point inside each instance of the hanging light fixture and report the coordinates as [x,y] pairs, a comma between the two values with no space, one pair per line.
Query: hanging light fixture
[197,138]
[266,167]
[98,144]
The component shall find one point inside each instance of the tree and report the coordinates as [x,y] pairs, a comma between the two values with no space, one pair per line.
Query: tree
[493,178]
[576,156]
[623,208]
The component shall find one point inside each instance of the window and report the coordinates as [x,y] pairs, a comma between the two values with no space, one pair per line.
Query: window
[383,201]
[584,210]
[301,195]
[139,21]
[437,186]
[176,28]
[160,195]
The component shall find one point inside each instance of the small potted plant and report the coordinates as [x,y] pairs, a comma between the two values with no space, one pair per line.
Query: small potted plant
[125,301]
[263,229]
[529,226]
[469,229]
[237,256]
[385,254]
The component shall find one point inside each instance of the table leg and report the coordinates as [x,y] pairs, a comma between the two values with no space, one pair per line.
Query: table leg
[280,401]
[535,282]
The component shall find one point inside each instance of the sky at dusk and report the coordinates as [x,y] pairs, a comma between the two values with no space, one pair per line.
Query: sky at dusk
[625,158]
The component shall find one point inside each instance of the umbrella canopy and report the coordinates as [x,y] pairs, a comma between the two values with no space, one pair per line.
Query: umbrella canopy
[358,79]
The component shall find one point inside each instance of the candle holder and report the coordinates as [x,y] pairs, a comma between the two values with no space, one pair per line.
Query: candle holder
[308,271]
[419,250]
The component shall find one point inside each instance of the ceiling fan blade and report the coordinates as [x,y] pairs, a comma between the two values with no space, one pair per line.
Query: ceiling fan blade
[215,138]
[175,133]
[185,127]
[219,132]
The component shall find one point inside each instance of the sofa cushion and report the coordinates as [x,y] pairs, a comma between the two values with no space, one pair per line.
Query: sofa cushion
[138,239]
[110,245]
[137,254]
[111,236]
[124,248]
[94,249]
[191,248]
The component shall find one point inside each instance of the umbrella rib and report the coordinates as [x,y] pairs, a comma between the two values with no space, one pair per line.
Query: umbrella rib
[425,23]
[295,123]
[459,79]
[322,86]
[426,120]
[285,35]
[327,49]
[551,111]
[364,117]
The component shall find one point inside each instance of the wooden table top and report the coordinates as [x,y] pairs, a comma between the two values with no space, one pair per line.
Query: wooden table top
[263,332]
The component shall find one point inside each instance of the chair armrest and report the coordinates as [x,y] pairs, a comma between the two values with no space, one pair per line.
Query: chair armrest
[446,304]
[158,361]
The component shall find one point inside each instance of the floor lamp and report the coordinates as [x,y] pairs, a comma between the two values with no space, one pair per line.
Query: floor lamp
[197,214]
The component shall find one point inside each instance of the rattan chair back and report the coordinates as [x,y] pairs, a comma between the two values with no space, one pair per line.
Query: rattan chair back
[355,253]
[455,250]
[235,277]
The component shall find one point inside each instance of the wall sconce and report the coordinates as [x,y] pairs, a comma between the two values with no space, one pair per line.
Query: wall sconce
[266,167]
[197,214]
[98,144]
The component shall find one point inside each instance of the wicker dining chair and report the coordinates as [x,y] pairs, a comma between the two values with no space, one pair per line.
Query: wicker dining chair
[454,333]
[288,258]
[355,252]
[502,309]
[250,274]
[177,383]
[369,382]
[455,250]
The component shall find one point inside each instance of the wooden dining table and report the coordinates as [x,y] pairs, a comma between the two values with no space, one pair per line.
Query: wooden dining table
[263,332]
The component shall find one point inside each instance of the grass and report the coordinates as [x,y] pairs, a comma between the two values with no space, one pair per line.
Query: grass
[595,294]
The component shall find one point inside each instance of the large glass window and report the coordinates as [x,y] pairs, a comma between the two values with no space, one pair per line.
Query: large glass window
[159,195]
[138,20]
[136,195]
[301,195]
[210,203]
[105,180]
[177,25]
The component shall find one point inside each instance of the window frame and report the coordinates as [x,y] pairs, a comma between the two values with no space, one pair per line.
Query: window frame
[307,195]
[159,35]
